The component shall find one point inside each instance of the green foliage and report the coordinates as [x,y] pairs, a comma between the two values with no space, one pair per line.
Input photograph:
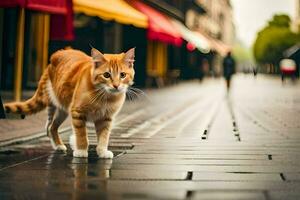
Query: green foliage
[242,53]
[272,40]
[280,21]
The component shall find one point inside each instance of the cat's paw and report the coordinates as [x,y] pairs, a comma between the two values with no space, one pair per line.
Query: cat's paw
[79,153]
[104,153]
[72,141]
[61,147]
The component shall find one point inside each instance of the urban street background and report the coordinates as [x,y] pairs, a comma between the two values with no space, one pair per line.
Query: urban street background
[215,116]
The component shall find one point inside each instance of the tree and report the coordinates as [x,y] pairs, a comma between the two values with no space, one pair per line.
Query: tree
[283,21]
[272,40]
[241,53]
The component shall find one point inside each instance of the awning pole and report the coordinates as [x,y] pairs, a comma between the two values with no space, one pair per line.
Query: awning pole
[19,55]
[46,29]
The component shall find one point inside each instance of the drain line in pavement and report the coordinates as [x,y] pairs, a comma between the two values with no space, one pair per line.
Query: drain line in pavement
[234,124]
[189,194]
[270,157]
[189,176]
[282,177]
[211,119]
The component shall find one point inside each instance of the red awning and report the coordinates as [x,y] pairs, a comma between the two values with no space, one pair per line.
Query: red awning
[12,3]
[61,11]
[61,26]
[50,6]
[160,27]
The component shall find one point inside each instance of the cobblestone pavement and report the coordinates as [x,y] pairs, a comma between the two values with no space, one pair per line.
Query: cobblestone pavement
[190,141]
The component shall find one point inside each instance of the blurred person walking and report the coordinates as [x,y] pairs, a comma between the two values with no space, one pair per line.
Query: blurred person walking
[203,68]
[228,68]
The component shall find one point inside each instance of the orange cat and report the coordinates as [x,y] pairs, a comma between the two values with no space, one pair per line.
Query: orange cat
[89,88]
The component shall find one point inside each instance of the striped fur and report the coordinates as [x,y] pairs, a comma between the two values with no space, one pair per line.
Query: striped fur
[38,102]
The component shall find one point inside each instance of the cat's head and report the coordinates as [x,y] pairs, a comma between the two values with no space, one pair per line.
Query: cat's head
[113,72]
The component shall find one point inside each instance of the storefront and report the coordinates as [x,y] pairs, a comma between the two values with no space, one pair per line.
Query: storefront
[160,33]
[24,40]
[195,53]
[112,26]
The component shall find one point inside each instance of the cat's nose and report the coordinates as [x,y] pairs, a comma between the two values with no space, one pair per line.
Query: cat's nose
[116,86]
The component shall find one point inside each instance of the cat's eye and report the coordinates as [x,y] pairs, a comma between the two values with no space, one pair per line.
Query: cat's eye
[106,75]
[122,75]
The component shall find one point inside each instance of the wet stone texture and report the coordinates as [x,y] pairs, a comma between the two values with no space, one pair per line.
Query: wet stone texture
[190,141]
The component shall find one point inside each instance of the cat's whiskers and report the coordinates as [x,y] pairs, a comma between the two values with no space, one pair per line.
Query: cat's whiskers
[135,93]
[128,95]
[132,95]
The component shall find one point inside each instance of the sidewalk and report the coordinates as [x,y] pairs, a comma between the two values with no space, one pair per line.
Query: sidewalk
[187,142]
[17,130]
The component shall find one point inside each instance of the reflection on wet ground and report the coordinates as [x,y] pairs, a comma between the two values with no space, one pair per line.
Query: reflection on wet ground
[43,173]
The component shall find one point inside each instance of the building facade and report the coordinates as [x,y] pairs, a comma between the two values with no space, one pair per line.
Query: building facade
[217,21]
[296,20]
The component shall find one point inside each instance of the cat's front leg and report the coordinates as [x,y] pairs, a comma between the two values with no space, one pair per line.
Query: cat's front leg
[103,128]
[80,140]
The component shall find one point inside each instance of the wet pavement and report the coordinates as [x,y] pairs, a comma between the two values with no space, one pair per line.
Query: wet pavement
[190,141]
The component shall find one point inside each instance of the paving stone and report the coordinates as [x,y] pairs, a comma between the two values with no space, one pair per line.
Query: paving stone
[200,176]
[195,156]
[147,174]
[154,161]
[155,194]
[11,156]
[219,152]
[212,168]
[292,176]
[228,195]
[284,194]
[137,185]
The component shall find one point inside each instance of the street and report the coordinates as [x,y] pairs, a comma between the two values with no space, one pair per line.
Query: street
[187,141]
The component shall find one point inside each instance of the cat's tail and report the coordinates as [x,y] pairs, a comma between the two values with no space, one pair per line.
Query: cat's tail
[33,105]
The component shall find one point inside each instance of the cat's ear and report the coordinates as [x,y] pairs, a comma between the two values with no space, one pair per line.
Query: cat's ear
[129,57]
[98,57]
